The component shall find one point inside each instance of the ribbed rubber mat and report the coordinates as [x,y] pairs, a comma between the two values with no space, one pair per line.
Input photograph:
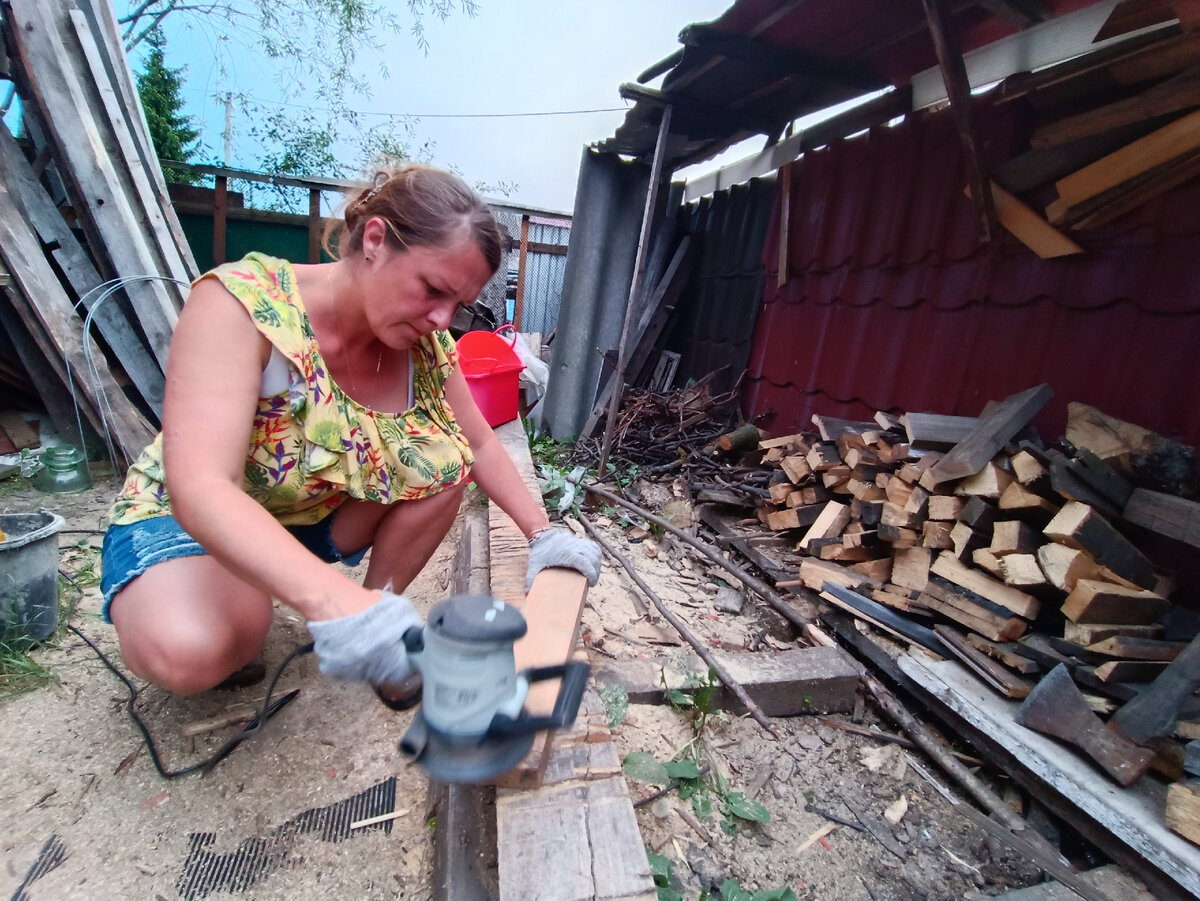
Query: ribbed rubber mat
[206,871]
[52,854]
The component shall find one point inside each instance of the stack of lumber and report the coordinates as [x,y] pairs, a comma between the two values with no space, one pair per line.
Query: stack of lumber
[1117,128]
[956,535]
[82,202]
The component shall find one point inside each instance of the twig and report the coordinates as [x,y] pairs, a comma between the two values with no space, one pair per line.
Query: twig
[682,629]
[887,736]
[674,784]
[756,585]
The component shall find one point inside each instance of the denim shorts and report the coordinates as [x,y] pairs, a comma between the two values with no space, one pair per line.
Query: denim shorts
[129,551]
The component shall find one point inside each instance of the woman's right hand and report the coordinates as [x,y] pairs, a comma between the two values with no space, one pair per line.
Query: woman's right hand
[369,645]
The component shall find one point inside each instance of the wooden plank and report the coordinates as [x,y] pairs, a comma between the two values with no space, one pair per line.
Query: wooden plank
[1078,525]
[989,482]
[1178,139]
[1178,93]
[1014,537]
[547,852]
[1130,820]
[1006,653]
[55,235]
[1000,679]
[951,607]
[552,608]
[782,683]
[1128,647]
[1166,514]
[1084,634]
[877,614]
[1028,227]
[143,198]
[19,432]
[933,431]
[1130,671]
[1183,809]
[1017,500]
[55,316]
[108,35]
[48,383]
[949,567]
[992,432]
[108,215]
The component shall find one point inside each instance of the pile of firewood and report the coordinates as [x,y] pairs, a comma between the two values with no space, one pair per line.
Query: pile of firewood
[956,535]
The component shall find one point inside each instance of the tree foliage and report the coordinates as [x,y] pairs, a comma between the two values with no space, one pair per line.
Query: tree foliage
[171,132]
[310,39]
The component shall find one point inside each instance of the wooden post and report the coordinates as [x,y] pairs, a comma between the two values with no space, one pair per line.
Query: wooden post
[785,214]
[220,205]
[656,168]
[314,225]
[519,303]
[958,89]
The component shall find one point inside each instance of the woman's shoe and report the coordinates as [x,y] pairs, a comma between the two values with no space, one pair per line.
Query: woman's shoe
[250,674]
[401,695]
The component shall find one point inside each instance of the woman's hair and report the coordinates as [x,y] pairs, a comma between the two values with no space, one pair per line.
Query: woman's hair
[423,207]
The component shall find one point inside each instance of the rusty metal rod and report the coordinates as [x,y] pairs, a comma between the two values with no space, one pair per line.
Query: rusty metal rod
[697,645]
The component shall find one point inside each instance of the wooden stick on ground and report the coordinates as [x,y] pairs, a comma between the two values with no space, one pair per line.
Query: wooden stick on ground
[790,613]
[683,630]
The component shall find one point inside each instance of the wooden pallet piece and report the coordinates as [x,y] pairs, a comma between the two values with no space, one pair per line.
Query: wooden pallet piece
[1166,514]
[68,116]
[62,244]
[48,311]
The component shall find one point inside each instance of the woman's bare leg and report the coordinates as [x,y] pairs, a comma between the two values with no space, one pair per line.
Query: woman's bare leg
[403,536]
[186,624]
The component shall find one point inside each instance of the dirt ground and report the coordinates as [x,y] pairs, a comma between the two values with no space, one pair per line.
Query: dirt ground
[84,814]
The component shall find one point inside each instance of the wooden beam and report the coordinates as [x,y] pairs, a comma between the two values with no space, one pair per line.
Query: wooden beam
[1028,227]
[314,225]
[954,73]
[718,116]
[220,205]
[991,433]
[522,259]
[1166,514]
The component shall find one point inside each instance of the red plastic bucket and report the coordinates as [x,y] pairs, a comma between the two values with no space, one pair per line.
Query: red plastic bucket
[492,368]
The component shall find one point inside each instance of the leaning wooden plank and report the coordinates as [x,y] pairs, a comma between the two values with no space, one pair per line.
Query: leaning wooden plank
[781,683]
[108,36]
[102,203]
[1130,824]
[991,433]
[552,608]
[1180,137]
[143,198]
[885,618]
[1024,223]
[62,244]
[1166,514]
[55,315]
[1115,202]
[1078,525]
[568,842]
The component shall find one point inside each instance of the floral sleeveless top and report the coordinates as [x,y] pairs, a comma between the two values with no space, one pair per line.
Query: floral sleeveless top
[312,446]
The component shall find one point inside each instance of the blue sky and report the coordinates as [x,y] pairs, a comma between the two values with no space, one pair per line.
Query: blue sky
[514,56]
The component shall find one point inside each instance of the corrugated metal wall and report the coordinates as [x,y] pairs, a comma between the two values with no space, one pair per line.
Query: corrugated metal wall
[892,304]
[544,277]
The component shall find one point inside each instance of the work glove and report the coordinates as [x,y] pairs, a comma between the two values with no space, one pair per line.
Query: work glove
[558,547]
[367,646]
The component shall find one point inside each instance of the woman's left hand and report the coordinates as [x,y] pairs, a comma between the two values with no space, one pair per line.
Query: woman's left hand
[558,547]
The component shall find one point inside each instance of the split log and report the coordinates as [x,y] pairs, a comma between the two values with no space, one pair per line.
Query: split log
[949,567]
[1078,525]
[1103,602]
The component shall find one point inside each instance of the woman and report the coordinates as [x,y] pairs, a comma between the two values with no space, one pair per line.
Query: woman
[312,412]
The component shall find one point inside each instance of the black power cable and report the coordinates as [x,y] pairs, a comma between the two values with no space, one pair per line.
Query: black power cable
[269,708]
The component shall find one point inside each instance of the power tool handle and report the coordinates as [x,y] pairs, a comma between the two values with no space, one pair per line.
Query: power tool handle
[574,677]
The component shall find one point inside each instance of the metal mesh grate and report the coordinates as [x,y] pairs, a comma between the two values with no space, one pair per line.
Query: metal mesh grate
[53,853]
[206,871]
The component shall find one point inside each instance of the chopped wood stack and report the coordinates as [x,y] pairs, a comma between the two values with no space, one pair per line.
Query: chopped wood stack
[952,534]
[83,201]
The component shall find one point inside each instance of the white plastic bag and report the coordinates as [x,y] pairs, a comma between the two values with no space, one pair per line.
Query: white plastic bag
[536,374]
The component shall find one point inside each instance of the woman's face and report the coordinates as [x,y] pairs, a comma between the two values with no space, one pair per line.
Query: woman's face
[413,293]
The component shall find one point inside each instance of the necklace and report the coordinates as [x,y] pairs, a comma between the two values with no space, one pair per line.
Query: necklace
[343,348]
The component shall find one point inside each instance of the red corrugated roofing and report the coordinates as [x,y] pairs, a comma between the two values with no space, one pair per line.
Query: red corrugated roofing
[893,304]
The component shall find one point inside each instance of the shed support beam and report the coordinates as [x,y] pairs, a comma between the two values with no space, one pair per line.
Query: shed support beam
[954,73]
[635,287]
[720,117]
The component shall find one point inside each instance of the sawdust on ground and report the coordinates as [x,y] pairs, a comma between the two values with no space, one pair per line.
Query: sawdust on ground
[85,815]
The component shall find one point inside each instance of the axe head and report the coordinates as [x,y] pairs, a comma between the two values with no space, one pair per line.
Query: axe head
[1056,707]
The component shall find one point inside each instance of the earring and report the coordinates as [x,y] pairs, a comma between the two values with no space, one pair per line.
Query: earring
[367,257]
